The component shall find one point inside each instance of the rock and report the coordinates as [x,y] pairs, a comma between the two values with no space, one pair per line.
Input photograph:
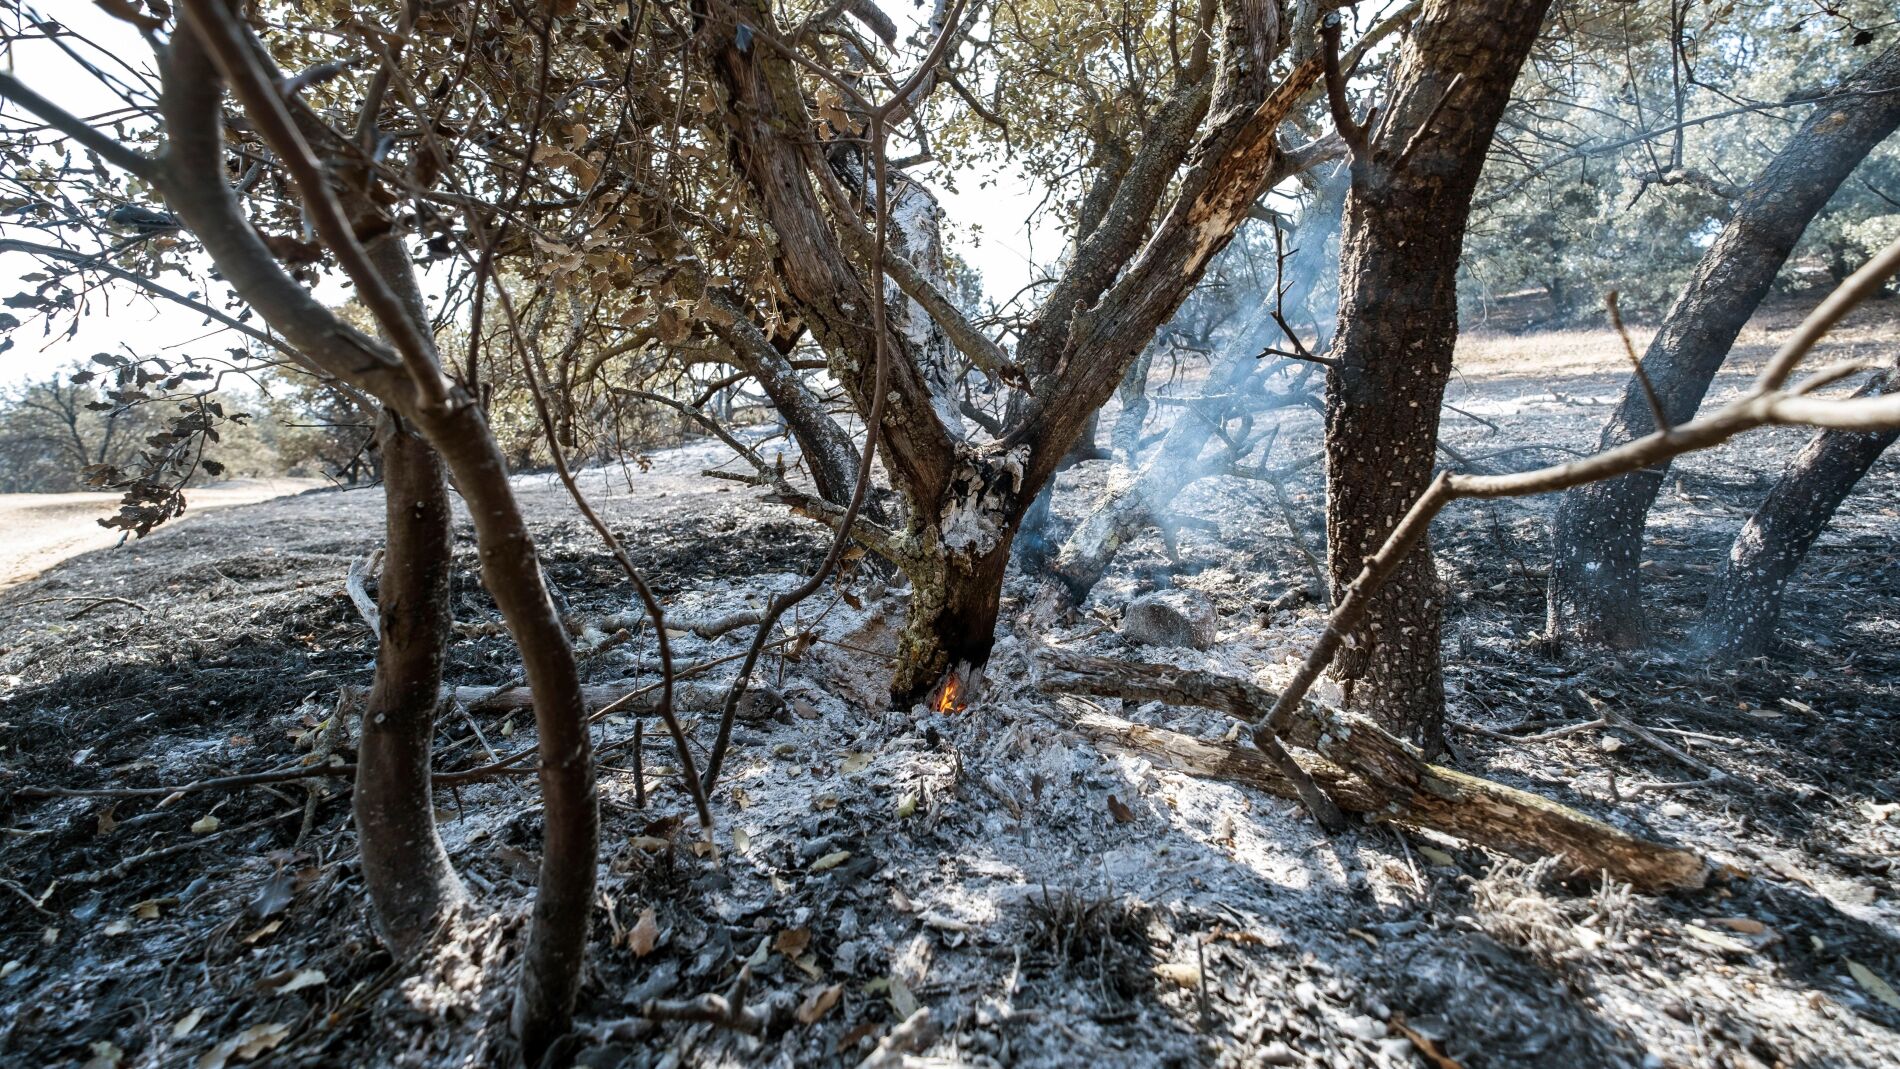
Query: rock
[1170,618]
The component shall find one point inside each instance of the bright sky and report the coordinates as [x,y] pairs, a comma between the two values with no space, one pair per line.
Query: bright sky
[1005,255]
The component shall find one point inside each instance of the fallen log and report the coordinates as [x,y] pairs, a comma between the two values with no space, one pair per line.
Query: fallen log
[1364,768]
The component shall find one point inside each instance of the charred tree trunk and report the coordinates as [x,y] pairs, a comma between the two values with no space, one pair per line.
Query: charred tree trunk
[1744,607]
[957,576]
[1398,320]
[1211,147]
[1595,590]
[408,874]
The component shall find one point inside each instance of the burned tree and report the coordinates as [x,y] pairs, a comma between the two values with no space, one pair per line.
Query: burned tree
[1205,155]
[1413,173]
[1595,580]
[213,50]
[1744,606]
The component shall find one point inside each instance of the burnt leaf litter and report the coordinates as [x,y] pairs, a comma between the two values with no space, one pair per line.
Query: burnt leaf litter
[1047,904]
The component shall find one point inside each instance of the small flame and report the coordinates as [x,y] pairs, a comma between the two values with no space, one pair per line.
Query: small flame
[949,697]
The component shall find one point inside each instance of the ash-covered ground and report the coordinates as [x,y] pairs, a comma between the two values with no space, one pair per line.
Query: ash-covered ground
[1050,905]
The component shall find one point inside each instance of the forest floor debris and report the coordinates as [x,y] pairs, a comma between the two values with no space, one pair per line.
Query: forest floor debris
[1044,903]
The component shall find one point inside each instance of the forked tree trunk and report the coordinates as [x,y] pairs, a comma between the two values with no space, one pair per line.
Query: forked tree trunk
[408,874]
[1595,590]
[1129,275]
[191,178]
[1744,606]
[1398,320]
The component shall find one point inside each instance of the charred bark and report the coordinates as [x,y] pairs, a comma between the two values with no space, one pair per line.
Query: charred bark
[957,575]
[410,880]
[1595,590]
[1744,607]
[1398,320]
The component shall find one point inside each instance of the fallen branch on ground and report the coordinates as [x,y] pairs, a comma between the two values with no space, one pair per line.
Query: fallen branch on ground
[1771,401]
[1367,770]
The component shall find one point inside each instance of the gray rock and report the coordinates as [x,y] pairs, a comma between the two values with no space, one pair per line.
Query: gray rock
[1170,618]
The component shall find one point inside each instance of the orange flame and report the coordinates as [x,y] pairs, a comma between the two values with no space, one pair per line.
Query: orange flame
[948,699]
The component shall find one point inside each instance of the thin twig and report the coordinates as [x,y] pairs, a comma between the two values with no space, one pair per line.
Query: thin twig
[1656,412]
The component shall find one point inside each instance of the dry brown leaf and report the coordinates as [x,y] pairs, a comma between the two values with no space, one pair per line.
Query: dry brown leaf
[244,1046]
[792,941]
[1744,925]
[263,933]
[645,934]
[819,1003]
[1180,974]
[301,979]
[1427,1047]
[1716,939]
[183,1026]
[1121,812]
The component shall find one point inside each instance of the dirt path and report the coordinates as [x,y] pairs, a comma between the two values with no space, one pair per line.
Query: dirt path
[38,531]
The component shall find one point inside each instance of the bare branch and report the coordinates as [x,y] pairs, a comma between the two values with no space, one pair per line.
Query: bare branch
[72,126]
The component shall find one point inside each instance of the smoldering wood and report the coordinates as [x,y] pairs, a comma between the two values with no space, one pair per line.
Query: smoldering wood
[1364,768]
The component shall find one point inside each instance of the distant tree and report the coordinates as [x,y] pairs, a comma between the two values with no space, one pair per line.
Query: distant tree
[53,430]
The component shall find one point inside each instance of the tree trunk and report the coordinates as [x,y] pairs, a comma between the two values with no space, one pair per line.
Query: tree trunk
[1127,277]
[410,879]
[1595,590]
[1398,320]
[957,575]
[192,103]
[1745,604]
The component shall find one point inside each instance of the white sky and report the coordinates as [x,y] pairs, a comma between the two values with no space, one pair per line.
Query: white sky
[158,328]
